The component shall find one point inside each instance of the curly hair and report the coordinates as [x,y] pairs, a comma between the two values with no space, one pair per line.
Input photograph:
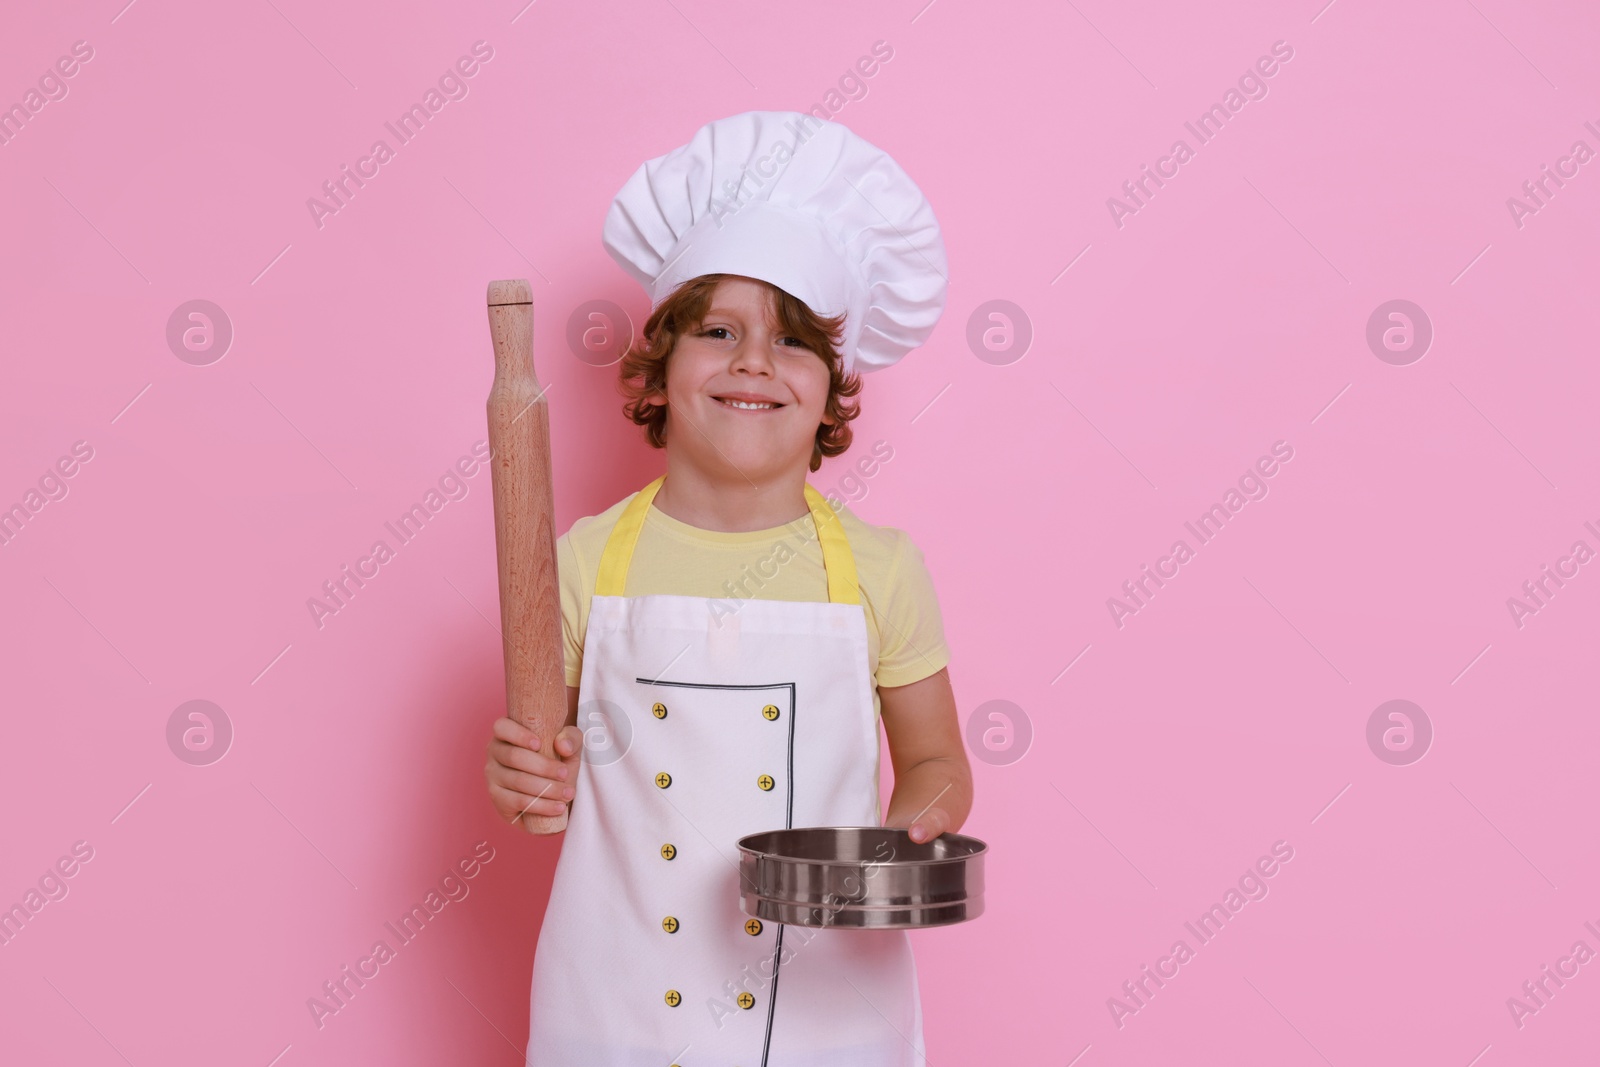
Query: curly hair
[643,370]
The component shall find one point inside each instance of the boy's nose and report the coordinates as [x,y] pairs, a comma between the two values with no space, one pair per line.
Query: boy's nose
[752,357]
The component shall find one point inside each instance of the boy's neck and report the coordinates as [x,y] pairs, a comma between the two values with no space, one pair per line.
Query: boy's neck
[735,505]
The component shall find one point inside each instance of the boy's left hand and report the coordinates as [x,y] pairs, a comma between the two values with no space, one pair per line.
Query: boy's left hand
[932,778]
[929,825]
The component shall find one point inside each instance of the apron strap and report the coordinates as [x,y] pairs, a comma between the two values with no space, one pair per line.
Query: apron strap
[837,559]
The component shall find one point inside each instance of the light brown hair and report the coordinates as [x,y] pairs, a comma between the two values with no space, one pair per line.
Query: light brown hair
[643,371]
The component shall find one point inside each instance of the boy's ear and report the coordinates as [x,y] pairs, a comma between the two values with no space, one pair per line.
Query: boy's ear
[658,396]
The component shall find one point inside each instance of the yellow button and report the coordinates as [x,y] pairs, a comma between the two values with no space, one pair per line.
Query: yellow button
[769,712]
[670,924]
[765,781]
[659,711]
[745,1000]
[664,779]
[674,998]
[668,850]
[753,927]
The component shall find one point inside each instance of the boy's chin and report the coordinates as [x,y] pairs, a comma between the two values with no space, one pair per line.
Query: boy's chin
[752,459]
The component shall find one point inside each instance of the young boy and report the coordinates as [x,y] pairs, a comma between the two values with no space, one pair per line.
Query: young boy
[732,639]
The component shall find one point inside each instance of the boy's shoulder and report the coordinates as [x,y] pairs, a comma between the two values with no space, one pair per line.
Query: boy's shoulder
[870,543]
[587,535]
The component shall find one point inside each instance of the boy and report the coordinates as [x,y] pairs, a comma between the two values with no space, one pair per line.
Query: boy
[733,639]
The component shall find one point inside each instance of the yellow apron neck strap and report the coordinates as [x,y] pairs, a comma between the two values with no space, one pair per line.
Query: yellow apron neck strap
[619,546]
[837,559]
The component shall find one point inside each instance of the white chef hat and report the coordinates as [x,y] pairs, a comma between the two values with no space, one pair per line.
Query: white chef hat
[801,203]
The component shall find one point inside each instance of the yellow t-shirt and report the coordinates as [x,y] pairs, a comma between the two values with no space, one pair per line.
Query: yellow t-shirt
[905,632]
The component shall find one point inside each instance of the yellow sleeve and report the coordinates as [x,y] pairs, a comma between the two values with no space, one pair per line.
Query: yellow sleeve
[575,587]
[911,629]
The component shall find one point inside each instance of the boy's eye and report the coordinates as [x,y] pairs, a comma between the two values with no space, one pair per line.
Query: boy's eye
[719,330]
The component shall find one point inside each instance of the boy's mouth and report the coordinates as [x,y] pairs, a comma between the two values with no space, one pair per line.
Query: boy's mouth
[747,403]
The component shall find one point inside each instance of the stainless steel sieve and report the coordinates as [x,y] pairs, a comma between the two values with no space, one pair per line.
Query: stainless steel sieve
[860,877]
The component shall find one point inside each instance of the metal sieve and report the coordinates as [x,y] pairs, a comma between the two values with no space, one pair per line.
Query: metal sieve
[860,877]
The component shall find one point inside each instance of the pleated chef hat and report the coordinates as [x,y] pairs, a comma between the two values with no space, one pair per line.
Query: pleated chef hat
[804,204]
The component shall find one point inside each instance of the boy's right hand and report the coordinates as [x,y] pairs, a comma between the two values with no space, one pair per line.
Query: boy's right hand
[524,780]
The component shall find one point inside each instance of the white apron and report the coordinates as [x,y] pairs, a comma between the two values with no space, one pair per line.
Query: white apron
[706,720]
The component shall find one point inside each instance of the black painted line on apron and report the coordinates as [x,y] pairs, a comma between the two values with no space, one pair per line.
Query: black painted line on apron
[772,999]
[714,685]
[788,822]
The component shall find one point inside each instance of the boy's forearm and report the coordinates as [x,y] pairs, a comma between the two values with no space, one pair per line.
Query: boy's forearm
[934,786]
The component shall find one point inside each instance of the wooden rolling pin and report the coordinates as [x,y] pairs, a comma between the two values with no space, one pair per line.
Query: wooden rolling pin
[524,528]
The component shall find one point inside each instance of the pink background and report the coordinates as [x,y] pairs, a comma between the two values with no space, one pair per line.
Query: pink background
[1228,313]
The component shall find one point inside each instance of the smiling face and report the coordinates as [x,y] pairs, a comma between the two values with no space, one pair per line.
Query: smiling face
[744,399]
